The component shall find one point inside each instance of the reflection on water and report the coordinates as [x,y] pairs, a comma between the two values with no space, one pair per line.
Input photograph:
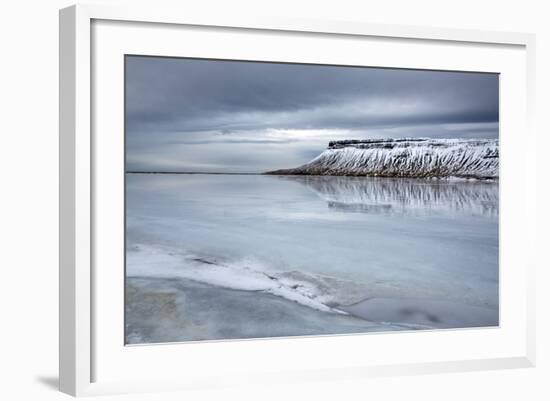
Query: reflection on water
[387,195]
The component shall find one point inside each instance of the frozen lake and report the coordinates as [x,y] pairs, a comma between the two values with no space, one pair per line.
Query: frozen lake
[244,256]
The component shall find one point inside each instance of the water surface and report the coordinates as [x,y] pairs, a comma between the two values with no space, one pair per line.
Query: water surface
[245,256]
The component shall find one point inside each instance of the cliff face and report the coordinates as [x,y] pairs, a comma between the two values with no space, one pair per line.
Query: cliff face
[417,157]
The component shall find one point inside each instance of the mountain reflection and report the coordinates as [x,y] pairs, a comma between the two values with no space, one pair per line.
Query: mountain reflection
[399,195]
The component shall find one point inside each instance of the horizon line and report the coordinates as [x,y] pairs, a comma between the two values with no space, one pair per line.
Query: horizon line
[189,172]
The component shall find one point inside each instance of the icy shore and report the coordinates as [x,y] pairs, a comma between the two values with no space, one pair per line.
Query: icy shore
[160,310]
[408,157]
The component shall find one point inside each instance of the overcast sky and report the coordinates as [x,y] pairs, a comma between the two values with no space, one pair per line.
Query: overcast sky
[229,116]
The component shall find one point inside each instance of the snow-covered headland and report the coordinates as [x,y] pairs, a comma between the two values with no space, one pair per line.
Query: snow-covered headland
[407,157]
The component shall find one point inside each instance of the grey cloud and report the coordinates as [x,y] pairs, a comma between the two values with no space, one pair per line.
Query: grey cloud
[172,102]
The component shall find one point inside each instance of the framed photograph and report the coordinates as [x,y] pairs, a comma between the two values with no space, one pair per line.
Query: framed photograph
[265,200]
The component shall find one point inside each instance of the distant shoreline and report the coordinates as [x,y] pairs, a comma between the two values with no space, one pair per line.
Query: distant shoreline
[276,173]
[188,172]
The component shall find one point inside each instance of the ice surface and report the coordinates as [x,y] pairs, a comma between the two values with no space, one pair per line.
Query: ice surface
[168,310]
[244,274]
[283,241]
[429,312]
[419,157]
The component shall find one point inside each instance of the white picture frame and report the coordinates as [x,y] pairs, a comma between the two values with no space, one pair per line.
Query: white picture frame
[83,344]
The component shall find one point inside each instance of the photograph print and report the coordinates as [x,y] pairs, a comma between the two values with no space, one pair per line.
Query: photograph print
[269,199]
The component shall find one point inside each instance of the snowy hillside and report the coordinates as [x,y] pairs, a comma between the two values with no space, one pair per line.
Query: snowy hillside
[409,157]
